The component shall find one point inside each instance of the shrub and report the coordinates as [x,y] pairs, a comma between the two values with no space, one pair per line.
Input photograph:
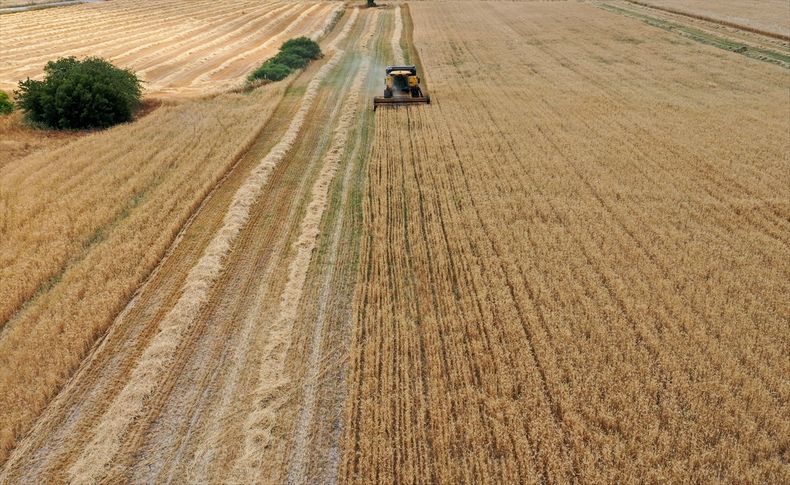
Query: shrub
[6,106]
[300,51]
[290,59]
[78,94]
[271,71]
[294,54]
[302,46]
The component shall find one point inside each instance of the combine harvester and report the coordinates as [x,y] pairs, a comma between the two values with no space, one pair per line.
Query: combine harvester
[401,86]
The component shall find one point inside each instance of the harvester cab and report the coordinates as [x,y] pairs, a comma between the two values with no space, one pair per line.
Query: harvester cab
[401,86]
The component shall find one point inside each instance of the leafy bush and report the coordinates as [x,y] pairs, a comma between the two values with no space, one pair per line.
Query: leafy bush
[6,106]
[271,71]
[303,47]
[290,59]
[302,52]
[294,54]
[77,94]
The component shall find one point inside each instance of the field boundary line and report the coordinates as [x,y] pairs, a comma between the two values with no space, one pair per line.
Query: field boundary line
[200,460]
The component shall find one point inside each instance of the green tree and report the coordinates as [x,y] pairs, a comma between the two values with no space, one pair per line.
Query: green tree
[78,94]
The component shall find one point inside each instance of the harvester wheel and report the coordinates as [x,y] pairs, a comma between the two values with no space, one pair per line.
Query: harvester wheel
[387,92]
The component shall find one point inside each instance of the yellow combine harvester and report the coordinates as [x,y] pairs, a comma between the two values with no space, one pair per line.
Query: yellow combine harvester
[402,86]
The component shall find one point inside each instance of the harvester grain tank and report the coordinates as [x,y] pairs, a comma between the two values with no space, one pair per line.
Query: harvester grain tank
[401,86]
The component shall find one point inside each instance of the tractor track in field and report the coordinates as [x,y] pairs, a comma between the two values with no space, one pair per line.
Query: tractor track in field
[200,388]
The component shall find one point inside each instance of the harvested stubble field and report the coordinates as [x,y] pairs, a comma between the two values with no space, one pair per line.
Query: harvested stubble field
[180,47]
[765,15]
[572,266]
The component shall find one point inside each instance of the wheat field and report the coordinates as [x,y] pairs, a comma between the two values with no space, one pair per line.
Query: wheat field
[572,266]
[575,263]
[85,223]
[95,218]
[178,48]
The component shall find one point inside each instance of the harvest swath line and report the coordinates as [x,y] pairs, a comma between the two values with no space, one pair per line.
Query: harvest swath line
[270,374]
[297,469]
[179,49]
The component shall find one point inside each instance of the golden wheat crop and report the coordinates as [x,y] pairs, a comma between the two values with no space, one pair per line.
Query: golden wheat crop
[84,224]
[18,139]
[177,47]
[575,261]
